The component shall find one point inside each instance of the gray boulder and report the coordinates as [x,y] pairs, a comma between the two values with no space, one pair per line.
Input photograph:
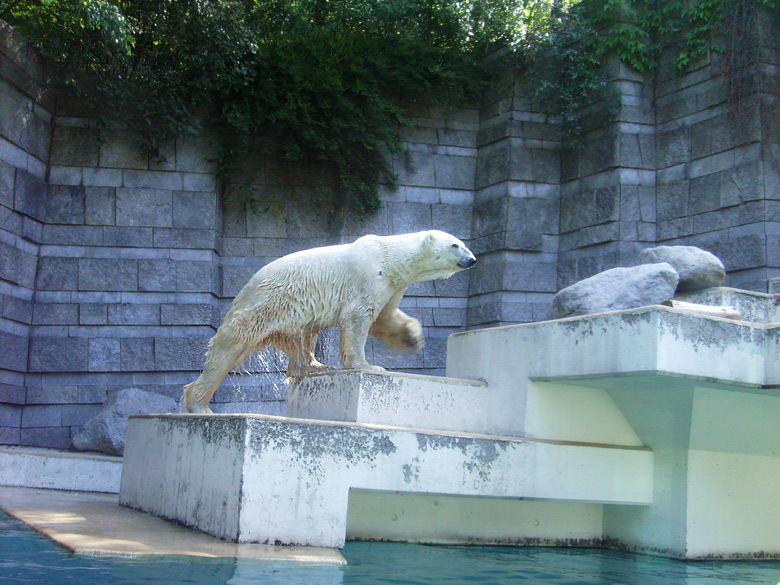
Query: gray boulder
[105,432]
[697,268]
[615,290]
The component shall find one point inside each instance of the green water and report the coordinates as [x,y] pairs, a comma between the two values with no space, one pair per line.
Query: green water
[29,558]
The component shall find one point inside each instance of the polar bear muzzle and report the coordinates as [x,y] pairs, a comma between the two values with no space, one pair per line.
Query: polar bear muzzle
[467,262]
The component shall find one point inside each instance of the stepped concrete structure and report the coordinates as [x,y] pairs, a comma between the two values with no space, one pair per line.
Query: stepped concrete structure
[651,430]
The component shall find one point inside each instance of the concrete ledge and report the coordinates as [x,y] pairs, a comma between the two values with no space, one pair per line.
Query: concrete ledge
[275,480]
[700,391]
[95,524]
[61,470]
[654,339]
[393,399]
[754,306]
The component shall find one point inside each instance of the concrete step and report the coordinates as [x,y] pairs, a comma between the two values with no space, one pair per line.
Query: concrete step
[393,399]
[60,470]
[278,480]
[95,524]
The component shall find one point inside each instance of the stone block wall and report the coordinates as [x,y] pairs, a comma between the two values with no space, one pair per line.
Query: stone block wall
[26,109]
[717,134]
[608,207]
[516,210]
[117,267]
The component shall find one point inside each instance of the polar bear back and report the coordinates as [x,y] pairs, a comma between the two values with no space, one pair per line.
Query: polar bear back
[313,289]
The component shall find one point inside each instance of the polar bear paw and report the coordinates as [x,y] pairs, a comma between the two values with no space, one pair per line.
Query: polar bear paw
[412,336]
[194,409]
[298,371]
[317,367]
[374,368]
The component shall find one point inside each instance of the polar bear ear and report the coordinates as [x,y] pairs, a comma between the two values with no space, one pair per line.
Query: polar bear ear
[428,239]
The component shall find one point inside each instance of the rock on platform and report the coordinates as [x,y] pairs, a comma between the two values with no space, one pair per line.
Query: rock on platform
[698,269]
[616,289]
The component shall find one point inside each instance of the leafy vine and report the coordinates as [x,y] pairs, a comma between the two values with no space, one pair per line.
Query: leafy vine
[566,73]
[330,84]
[326,83]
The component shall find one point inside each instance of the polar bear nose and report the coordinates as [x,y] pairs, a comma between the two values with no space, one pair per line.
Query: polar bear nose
[468,262]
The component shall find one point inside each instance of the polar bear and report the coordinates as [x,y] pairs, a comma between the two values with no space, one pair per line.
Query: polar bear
[357,286]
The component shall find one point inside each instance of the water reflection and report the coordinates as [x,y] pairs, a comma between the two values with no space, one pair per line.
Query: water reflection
[396,564]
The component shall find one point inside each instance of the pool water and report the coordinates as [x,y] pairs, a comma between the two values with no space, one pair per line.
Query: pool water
[30,558]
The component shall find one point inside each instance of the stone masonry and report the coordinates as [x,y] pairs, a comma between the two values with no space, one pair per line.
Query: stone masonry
[116,267]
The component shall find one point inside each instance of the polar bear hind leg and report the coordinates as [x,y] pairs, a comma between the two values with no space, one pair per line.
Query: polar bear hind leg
[224,354]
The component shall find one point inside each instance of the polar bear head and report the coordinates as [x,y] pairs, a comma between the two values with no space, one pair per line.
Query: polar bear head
[442,255]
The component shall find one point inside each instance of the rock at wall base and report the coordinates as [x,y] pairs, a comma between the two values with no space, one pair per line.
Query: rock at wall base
[105,432]
[697,268]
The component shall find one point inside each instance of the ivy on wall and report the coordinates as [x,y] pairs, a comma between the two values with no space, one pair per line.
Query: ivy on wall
[331,83]
[566,75]
[327,82]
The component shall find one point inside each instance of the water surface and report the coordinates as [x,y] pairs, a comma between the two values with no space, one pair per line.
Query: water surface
[27,557]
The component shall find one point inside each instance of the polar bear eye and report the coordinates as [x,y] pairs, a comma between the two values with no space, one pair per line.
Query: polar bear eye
[454,246]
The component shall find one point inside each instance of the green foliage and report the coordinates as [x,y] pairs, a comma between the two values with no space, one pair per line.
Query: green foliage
[331,83]
[566,75]
[328,82]
[566,72]
[639,30]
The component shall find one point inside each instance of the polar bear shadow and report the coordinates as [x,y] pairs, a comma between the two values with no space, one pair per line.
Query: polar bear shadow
[357,287]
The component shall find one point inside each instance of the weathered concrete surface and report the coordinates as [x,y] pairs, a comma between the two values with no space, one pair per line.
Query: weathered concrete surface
[635,429]
[60,470]
[95,524]
[616,289]
[442,519]
[698,269]
[394,399]
[287,481]
[701,392]
[753,306]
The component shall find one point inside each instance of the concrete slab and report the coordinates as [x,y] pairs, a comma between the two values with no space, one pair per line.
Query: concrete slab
[651,429]
[393,399]
[700,391]
[95,524]
[61,470]
[256,478]
[753,306]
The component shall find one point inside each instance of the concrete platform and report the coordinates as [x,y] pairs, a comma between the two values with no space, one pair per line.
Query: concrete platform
[392,399]
[61,470]
[653,430]
[701,392]
[95,524]
[255,478]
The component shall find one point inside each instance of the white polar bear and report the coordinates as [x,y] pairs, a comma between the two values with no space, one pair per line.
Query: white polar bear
[357,286]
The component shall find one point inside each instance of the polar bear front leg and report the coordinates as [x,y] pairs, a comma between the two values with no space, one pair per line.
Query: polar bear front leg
[399,330]
[352,345]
